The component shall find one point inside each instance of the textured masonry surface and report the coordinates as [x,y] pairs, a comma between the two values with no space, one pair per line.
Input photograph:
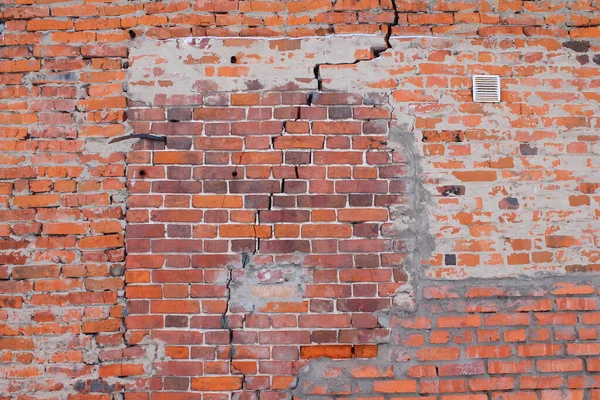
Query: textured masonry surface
[324,213]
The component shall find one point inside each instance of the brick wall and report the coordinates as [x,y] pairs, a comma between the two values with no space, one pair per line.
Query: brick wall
[472,340]
[304,199]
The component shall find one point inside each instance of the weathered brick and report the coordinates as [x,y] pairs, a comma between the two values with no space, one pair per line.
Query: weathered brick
[283,156]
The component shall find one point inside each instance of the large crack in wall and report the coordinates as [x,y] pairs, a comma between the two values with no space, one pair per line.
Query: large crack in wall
[409,95]
[409,222]
[257,284]
[512,191]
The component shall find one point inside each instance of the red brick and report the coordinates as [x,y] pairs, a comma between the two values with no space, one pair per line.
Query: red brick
[335,352]
[40,200]
[35,272]
[438,353]
[510,367]
[248,156]
[216,383]
[395,386]
[459,322]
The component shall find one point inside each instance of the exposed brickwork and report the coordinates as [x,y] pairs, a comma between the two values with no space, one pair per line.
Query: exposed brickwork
[261,155]
[472,340]
[265,225]
[326,167]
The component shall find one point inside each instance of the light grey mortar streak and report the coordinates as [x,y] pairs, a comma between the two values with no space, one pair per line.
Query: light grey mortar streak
[272,76]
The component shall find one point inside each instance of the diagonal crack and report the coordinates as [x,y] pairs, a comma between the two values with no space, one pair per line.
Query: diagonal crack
[390,26]
[377,51]
[224,322]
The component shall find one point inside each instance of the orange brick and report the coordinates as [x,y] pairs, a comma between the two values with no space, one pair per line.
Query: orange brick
[365,351]
[120,370]
[438,353]
[334,351]
[65,228]
[217,201]
[287,230]
[476,176]
[564,365]
[17,344]
[211,384]
[326,231]
[282,382]
[249,231]
[459,322]
[99,242]
[361,214]
[39,200]
[395,386]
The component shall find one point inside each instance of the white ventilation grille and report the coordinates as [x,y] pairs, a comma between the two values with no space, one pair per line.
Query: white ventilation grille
[486,88]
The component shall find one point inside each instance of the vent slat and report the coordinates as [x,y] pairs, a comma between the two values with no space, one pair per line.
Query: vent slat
[486,88]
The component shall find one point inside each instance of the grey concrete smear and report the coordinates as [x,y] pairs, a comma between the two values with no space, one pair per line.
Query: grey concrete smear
[184,66]
[102,146]
[397,71]
[316,372]
[254,286]
[397,359]
[181,67]
[410,223]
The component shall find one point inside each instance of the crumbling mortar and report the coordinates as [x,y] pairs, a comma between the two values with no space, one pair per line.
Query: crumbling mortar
[316,369]
[153,350]
[413,200]
[377,52]
[401,137]
[224,323]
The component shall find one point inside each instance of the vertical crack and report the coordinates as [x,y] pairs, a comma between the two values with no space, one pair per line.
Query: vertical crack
[390,26]
[376,52]
[317,72]
[224,322]
[256,238]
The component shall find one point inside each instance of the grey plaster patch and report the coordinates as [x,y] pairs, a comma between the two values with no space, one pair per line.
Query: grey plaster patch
[311,64]
[336,375]
[196,65]
[316,372]
[410,222]
[410,226]
[102,146]
[254,286]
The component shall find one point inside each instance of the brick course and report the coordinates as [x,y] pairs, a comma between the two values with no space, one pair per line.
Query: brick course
[276,223]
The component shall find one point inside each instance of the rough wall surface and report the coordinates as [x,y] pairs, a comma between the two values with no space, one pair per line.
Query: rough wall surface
[318,218]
